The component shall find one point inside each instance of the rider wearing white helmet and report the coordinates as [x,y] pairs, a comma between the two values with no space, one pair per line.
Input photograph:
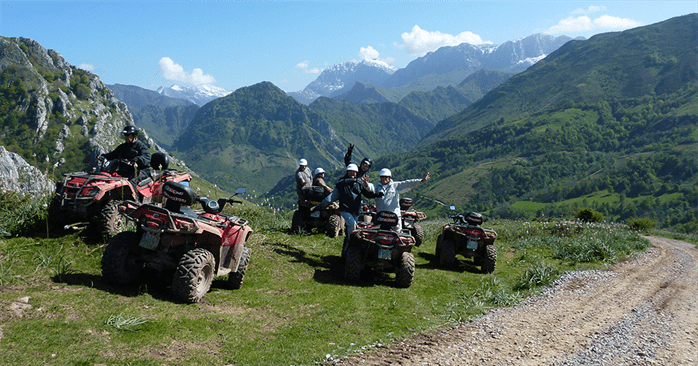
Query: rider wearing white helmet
[319,180]
[390,200]
[303,177]
[348,191]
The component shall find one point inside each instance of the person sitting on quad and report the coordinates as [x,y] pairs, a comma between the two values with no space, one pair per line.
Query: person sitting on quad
[348,191]
[132,152]
[319,180]
[303,177]
[364,166]
[390,190]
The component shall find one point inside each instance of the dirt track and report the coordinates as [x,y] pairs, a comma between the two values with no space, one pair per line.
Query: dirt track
[642,311]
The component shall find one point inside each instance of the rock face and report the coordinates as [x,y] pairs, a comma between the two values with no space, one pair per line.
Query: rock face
[57,116]
[16,175]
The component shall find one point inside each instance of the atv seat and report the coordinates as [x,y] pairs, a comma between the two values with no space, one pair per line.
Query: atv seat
[387,220]
[179,198]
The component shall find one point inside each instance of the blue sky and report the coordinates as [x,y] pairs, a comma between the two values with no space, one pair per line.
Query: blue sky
[232,44]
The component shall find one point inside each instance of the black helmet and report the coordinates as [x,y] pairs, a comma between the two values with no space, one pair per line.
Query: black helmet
[367,161]
[130,129]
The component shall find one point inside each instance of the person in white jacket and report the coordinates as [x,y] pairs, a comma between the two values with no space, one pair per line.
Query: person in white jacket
[390,201]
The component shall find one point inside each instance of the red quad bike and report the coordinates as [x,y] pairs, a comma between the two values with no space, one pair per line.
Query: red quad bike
[381,247]
[464,236]
[410,220]
[94,197]
[328,219]
[175,240]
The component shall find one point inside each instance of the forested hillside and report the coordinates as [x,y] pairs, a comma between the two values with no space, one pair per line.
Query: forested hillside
[610,123]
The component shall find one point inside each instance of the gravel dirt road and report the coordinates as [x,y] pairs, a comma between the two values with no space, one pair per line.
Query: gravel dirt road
[642,311]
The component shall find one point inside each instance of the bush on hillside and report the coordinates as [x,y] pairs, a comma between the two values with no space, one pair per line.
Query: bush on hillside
[20,214]
[589,215]
[641,223]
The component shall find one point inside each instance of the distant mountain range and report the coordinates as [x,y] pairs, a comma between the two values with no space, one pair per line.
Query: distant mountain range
[453,63]
[165,118]
[198,94]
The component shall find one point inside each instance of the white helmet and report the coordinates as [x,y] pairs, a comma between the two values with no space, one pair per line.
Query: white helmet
[385,172]
[302,162]
[318,171]
[352,167]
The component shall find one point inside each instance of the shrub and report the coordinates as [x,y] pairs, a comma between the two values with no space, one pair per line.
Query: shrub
[589,215]
[640,223]
[19,214]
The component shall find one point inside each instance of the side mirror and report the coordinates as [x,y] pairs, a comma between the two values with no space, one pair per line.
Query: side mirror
[241,190]
[453,208]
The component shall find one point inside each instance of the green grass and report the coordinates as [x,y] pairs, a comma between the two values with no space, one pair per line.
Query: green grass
[294,307]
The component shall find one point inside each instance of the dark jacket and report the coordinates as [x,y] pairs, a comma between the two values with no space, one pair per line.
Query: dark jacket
[136,152]
[348,191]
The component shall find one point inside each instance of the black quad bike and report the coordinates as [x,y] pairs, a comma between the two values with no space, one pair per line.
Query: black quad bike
[188,246]
[328,219]
[466,237]
[381,247]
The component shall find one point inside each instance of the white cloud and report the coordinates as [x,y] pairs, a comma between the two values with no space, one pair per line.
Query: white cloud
[173,72]
[87,67]
[368,53]
[583,23]
[572,25]
[591,9]
[304,65]
[594,9]
[418,42]
[609,22]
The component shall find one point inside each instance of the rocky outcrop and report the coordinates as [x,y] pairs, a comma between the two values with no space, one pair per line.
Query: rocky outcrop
[16,175]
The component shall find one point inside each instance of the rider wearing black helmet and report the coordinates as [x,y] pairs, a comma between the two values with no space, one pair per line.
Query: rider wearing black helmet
[363,167]
[133,151]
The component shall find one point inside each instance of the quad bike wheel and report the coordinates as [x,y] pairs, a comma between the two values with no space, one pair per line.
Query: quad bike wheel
[194,275]
[439,244]
[235,278]
[334,226]
[354,264]
[297,221]
[405,273]
[120,262]
[489,260]
[418,233]
[448,254]
[110,221]
[57,217]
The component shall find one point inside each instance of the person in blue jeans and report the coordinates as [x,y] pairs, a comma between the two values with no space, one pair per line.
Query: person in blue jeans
[348,191]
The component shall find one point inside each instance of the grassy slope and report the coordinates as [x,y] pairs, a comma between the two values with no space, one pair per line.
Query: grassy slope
[294,307]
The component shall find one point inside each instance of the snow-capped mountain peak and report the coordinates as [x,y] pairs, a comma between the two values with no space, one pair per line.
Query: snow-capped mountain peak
[199,94]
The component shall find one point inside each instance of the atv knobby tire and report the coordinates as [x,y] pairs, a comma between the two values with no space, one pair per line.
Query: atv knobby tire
[121,263]
[334,226]
[354,264]
[235,278]
[405,273]
[297,223]
[448,254]
[489,260]
[57,217]
[418,233]
[194,275]
[439,244]
[110,221]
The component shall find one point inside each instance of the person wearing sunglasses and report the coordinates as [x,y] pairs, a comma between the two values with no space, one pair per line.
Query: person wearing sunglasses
[133,152]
